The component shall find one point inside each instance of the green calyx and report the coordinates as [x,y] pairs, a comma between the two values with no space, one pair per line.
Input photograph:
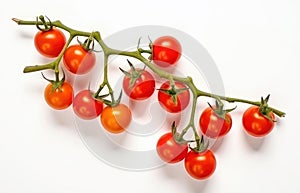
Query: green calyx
[57,83]
[47,25]
[88,44]
[173,92]
[201,145]
[219,109]
[264,109]
[134,74]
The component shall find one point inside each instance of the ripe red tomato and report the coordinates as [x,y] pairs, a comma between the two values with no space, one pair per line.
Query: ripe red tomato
[169,150]
[256,124]
[59,98]
[116,119]
[85,106]
[200,165]
[214,126]
[78,60]
[143,87]
[166,51]
[166,101]
[50,43]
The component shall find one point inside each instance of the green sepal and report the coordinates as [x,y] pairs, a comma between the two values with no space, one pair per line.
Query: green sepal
[47,25]
[173,92]
[264,109]
[56,84]
[201,145]
[219,109]
[134,74]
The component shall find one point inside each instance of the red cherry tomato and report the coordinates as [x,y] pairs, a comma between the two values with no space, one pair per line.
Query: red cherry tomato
[143,87]
[256,124]
[78,60]
[214,126]
[85,106]
[116,119]
[200,165]
[166,51]
[166,101]
[59,98]
[169,150]
[50,43]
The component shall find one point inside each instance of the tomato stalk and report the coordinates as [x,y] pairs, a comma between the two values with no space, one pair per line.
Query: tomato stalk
[137,54]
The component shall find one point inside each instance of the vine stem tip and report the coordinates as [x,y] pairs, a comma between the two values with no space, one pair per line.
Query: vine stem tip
[16,20]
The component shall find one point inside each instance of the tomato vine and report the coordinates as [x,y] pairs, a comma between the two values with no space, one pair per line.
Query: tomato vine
[169,92]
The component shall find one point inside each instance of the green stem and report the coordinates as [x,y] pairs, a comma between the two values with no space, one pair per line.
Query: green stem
[232,100]
[35,68]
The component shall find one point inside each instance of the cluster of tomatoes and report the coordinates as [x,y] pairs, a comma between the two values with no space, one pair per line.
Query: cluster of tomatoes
[139,84]
[201,163]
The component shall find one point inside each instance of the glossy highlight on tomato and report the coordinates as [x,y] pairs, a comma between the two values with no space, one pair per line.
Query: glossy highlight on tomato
[50,43]
[143,87]
[59,98]
[116,119]
[78,60]
[200,165]
[86,106]
[166,51]
[169,150]
[256,124]
[166,100]
[212,125]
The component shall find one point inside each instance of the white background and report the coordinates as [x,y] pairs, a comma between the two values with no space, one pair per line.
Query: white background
[256,46]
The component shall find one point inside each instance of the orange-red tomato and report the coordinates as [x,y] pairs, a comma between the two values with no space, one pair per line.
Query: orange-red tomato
[256,124]
[50,43]
[166,100]
[169,150]
[59,98]
[86,106]
[166,51]
[143,87]
[116,119]
[78,60]
[214,126]
[200,165]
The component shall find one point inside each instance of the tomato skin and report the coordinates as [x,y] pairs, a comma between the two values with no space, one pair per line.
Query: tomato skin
[60,98]
[212,125]
[165,100]
[50,43]
[78,60]
[256,124]
[166,51]
[169,150]
[85,106]
[143,87]
[200,165]
[116,119]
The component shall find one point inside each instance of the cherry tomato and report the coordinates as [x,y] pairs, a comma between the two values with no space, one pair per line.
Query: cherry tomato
[256,124]
[116,119]
[59,98]
[166,51]
[169,150]
[78,60]
[143,87]
[166,100]
[50,43]
[214,126]
[85,106]
[200,165]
